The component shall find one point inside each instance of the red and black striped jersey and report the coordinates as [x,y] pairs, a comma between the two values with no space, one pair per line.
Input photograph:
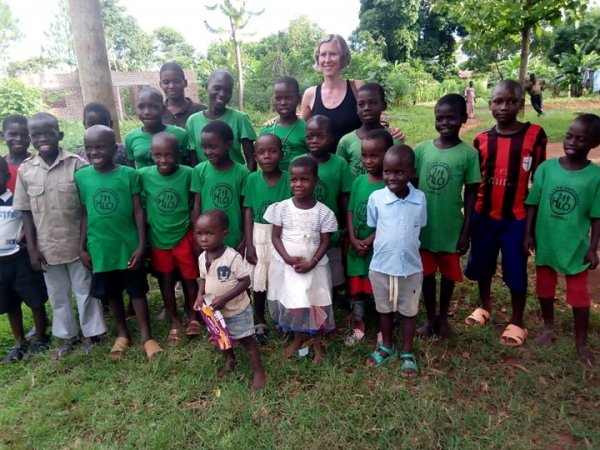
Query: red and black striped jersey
[508,162]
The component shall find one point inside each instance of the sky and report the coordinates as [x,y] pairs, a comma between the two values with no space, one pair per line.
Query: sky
[187,16]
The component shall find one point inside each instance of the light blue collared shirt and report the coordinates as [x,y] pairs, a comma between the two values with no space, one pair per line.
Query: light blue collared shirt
[398,223]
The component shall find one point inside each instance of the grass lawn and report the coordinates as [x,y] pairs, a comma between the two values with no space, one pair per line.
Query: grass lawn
[472,392]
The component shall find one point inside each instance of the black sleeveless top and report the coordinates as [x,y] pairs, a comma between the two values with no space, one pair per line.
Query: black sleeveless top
[343,118]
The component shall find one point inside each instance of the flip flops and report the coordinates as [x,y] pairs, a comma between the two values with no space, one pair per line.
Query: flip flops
[193,329]
[119,348]
[513,336]
[173,337]
[152,349]
[478,317]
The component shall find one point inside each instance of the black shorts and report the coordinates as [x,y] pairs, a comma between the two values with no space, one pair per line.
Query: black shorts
[20,283]
[107,285]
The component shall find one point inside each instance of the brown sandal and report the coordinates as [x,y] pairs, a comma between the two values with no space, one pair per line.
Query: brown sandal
[119,348]
[193,329]
[151,348]
[173,337]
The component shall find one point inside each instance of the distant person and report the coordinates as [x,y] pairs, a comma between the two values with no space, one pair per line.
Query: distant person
[534,87]
[178,107]
[470,98]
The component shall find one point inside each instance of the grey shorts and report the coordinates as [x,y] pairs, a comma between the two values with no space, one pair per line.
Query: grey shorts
[396,293]
[241,325]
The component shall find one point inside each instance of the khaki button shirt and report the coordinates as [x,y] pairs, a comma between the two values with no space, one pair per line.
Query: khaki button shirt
[50,193]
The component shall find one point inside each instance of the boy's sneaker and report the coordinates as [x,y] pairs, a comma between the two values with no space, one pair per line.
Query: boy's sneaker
[354,337]
[37,346]
[15,354]
[91,343]
[261,333]
[65,346]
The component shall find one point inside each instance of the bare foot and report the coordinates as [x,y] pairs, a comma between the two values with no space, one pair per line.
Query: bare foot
[319,352]
[425,330]
[585,356]
[259,380]
[291,349]
[228,367]
[548,337]
[442,329]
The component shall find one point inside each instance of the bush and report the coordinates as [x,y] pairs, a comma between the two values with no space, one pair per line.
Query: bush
[18,98]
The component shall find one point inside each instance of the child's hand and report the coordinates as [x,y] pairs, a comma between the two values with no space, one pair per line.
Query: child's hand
[528,245]
[397,133]
[251,254]
[294,260]
[86,260]
[218,303]
[591,257]
[305,266]
[241,248]
[136,259]
[37,259]
[463,244]
[199,303]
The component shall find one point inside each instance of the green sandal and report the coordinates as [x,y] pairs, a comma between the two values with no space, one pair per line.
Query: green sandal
[409,365]
[380,359]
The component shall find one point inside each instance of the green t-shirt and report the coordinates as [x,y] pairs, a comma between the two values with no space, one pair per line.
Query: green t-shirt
[293,141]
[258,195]
[567,201]
[112,235]
[138,144]
[239,123]
[442,174]
[362,188]
[334,180]
[349,148]
[167,205]
[222,190]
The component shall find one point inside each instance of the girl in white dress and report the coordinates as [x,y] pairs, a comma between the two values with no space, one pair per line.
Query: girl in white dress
[299,279]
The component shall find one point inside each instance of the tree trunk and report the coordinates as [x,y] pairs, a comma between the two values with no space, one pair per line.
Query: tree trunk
[92,58]
[525,42]
[238,61]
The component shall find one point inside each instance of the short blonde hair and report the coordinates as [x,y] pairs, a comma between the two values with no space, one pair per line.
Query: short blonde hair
[342,47]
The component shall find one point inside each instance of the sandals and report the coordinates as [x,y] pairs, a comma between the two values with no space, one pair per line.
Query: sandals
[513,336]
[173,337]
[152,349]
[355,336]
[260,333]
[381,355]
[409,365]
[193,329]
[478,317]
[119,348]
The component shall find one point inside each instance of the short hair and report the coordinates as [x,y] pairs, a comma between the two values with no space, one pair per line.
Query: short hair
[220,72]
[403,151]
[100,128]
[342,47]
[454,101]
[271,135]
[13,118]
[511,84]
[321,120]
[306,162]
[4,167]
[165,136]
[380,134]
[44,116]
[152,91]
[218,214]
[592,122]
[173,66]
[373,87]
[289,81]
[100,109]
[220,128]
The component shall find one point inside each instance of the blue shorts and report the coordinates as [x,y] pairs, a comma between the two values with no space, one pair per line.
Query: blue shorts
[241,325]
[488,238]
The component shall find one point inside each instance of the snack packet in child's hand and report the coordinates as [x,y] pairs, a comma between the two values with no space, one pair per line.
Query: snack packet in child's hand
[216,327]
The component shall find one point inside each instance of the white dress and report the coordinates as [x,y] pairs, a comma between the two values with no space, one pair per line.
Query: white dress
[301,301]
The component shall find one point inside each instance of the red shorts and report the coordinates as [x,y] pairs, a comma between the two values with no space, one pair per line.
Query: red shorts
[181,256]
[359,285]
[577,288]
[447,263]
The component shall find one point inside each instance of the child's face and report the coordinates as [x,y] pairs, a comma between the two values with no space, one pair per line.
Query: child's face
[45,136]
[16,137]
[267,151]
[93,118]
[397,172]
[149,108]
[372,152]
[209,233]
[215,148]
[172,83]
[505,104]
[448,120]
[369,106]
[100,148]
[318,137]
[220,90]
[302,182]
[165,155]
[579,140]
[285,100]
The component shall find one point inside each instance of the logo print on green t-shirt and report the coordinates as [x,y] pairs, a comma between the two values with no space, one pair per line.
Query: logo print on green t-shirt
[360,213]
[106,201]
[286,149]
[358,168]
[438,176]
[320,191]
[222,195]
[263,207]
[167,200]
[563,201]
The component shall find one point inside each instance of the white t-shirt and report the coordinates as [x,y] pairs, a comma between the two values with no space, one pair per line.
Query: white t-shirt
[11,225]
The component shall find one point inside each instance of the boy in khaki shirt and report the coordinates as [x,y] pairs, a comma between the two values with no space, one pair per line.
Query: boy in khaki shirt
[46,194]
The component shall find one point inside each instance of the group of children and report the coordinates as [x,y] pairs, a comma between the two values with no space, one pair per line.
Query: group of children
[192,201]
